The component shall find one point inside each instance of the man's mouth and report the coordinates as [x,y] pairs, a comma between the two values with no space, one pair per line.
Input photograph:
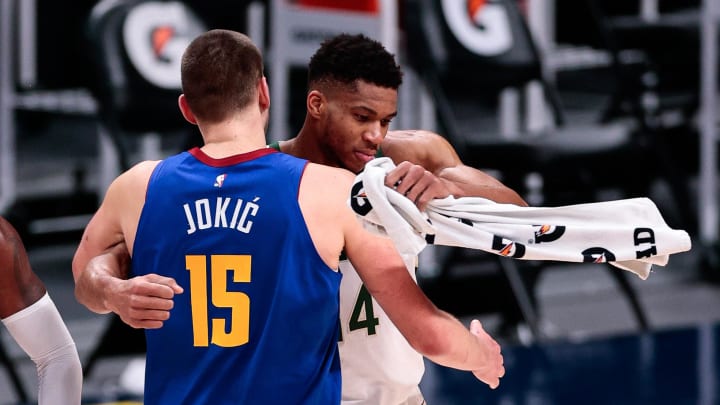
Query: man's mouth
[365,156]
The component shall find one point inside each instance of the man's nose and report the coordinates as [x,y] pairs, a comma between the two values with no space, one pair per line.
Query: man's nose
[374,133]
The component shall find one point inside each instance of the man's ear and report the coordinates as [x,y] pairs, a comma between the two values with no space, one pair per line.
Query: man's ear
[264,94]
[185,110]
[315,103]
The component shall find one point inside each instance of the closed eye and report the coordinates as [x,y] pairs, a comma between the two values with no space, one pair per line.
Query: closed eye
[362,117]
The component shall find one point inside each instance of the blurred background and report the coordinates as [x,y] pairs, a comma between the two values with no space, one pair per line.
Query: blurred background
[566,101]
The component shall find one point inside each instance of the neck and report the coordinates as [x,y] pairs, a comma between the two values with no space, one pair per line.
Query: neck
[240,134]
[307,145]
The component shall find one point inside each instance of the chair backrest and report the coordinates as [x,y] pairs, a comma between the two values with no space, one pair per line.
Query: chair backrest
[470,51]
[136,48]
[481,43]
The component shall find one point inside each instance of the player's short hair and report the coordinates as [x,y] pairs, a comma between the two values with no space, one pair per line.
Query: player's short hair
[220,73]
[346,59]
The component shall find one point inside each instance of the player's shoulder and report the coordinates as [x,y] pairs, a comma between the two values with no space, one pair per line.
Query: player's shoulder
[332,183]
[135,179]
[141,170]
[329,172]
[413,145]
[412,136]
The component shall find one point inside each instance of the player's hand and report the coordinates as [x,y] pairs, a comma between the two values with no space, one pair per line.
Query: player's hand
[493,370]
[144,301]
[416,183]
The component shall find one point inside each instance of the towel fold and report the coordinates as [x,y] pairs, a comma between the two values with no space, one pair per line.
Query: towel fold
[630,234]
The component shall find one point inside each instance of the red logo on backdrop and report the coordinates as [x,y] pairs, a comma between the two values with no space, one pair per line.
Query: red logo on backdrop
[481,26]
[473,8]
[155,35]
[160,37]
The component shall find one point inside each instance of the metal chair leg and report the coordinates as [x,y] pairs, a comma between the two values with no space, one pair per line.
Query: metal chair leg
[522,296]
[629,292]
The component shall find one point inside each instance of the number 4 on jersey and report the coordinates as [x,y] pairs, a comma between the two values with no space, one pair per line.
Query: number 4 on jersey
[363,315]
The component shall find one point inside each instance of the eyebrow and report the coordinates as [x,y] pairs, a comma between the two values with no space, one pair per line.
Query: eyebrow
[373,112]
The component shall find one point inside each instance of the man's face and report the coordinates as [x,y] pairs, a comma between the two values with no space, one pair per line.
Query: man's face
[356,123]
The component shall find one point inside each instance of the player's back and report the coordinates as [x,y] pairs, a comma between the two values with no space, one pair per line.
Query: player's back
[257,322]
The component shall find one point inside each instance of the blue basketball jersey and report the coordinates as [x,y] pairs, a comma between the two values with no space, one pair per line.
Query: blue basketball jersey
[257,322]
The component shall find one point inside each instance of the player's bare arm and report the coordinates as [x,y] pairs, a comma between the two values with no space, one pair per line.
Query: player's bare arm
[33,321]
[101,283]
[19,285]
[432,332]
[428,167]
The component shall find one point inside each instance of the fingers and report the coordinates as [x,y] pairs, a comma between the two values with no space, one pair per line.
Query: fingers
[494,368]
[492,382]
[403,177]
[491,374]
[416,183]
[152,285]
[166,281]
[146,312]
[475,327]
[394,177]
[142,323]
[146,301]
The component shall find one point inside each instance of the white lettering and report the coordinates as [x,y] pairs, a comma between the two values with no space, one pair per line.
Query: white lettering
[220,209]
[234,219]
[252,209]
[205,216]
[202,210]
[191,221]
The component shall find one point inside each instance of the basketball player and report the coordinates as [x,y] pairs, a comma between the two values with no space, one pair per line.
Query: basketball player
[34,322]
[244,243]
[353,84]
[352,98]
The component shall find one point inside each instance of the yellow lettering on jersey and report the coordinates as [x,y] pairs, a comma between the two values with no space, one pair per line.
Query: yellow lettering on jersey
[197,266]
[238,302]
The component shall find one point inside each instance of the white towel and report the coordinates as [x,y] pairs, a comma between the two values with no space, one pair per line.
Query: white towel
[630,234]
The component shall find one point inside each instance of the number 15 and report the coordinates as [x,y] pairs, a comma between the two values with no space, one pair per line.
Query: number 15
[238,302]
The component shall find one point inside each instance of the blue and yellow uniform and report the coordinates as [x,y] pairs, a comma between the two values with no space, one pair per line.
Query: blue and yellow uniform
[231,232]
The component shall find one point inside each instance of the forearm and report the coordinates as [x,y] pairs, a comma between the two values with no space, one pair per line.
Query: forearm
[39,330]
[464,181]
[100,277]
[449,343]
[60,377]
[436,334]
[92,289]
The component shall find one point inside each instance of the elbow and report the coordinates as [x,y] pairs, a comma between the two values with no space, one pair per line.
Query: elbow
[79,261]
[60,375]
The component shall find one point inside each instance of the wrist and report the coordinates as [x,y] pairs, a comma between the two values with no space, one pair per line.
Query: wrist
[109,290]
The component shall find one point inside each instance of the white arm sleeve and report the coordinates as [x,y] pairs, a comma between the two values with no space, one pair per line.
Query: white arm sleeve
[41,333]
